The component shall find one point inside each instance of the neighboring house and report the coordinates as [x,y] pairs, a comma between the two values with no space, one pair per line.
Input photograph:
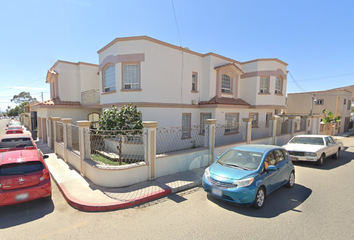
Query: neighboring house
[169,84]
[68,82]
[338,101]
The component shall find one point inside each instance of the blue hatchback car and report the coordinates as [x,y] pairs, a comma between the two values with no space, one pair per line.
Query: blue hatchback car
[246,174]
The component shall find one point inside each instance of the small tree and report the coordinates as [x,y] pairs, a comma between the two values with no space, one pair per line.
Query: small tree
[122,121]
[328,117]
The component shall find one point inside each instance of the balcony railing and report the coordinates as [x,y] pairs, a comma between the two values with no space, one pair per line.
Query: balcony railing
[90,97]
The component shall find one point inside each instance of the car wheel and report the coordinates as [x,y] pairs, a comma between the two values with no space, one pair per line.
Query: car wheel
[260,198]
[336,155]
[48,198]
[291,181]
[320,160]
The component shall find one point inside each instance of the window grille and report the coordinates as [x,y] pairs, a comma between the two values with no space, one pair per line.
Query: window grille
[226,84]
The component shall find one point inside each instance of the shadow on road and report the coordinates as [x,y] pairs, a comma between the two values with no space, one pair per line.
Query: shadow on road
[21,213]
[329,163]
[278,202]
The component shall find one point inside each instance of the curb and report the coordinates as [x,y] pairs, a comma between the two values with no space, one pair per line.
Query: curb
[101,207]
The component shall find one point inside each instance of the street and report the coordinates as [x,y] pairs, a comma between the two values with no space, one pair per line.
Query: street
[318,207]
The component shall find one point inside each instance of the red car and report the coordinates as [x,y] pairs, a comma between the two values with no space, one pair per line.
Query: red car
[14,131]
[12,142]
[24,176]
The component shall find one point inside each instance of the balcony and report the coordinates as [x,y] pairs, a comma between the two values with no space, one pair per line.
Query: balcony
[90,97]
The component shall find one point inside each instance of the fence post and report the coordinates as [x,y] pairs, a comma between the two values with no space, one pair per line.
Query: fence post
[49,131]
[248,129]
[150,147]
[274,130]
[82,126]
[211,135]
[292,125]
[65,137]
[55,119]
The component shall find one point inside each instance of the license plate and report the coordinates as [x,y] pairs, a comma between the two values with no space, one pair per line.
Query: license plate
[21,196]
[216,192]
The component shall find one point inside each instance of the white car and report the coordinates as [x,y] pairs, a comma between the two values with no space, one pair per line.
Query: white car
[313,148]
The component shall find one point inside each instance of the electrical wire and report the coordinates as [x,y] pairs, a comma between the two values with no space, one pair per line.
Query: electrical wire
[174,12]
[21,84]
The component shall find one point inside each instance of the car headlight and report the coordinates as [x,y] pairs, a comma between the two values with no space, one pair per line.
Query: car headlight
[207,173]
[310,154]
[243,182]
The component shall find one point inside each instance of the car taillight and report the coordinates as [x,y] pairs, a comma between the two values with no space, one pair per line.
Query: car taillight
[4,150]
[45,175]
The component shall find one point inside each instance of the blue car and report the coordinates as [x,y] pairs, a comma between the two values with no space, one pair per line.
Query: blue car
[246,174]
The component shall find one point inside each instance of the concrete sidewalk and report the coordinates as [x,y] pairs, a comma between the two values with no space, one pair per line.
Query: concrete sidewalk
[84,195]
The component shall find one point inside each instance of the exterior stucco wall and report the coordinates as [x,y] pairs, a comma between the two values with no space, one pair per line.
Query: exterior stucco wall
[89,79]
[69,82]
[76,114]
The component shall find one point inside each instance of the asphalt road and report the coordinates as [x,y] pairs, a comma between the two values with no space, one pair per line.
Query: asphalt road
[318,207]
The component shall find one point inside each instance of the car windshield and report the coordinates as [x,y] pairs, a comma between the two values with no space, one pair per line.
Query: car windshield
[307,140]
[20,168]
[241,159]
[16,142]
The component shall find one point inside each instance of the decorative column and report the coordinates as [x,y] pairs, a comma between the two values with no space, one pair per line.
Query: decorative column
[65,122]
[274,130]
[150,146]
[248,129]
[83,125]
[55,119]
[211,138]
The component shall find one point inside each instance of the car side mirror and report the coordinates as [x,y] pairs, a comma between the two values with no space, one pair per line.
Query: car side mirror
[45,156]
[271,168]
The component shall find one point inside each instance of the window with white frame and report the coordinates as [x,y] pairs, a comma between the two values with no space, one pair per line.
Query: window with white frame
[194,81]
[225,84]
[186,125]
[264,86]
[278,85]
[109,76]
[131,76]
[319,102]
[231,122]
[203,116]
[254,116]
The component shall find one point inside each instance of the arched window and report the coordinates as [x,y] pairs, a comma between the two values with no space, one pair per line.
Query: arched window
[109,78]
[278,85]
[225,84]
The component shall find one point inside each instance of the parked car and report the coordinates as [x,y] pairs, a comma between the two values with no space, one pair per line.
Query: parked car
[12,142]
[246,174]
[14,130]
[313,148]
[24,176]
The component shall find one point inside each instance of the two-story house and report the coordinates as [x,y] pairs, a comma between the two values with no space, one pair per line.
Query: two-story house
[69,84]
[338,101]
[176,86]
[169,84]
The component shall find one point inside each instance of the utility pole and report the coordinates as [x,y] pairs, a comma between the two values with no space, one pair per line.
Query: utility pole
[313,99]
[42,96]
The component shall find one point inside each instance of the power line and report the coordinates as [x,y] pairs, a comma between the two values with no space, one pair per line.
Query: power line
[319,78]
[179,35]
[22,84]
[297,84]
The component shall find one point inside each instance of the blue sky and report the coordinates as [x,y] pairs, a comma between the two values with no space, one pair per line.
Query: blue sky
[315,38]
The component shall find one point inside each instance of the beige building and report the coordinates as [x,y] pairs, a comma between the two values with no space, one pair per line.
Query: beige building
[338,101]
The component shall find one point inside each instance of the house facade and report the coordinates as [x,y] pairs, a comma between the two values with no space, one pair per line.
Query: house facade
[169,84]
[337,101]
[176,86]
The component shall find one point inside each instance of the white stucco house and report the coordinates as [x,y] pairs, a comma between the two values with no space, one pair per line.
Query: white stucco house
[169,84]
